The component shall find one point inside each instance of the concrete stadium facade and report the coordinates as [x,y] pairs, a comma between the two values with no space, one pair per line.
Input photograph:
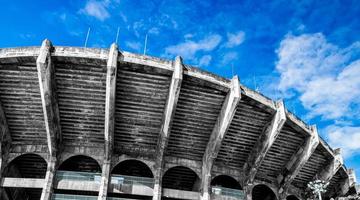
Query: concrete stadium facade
[87,123]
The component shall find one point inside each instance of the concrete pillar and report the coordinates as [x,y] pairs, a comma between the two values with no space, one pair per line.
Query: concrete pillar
[248,192]
[49,179]
[105,180]
[174,92]
[264,143]
[298,160]
[218,134]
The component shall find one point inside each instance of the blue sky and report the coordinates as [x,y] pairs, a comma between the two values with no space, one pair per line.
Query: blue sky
[304,52]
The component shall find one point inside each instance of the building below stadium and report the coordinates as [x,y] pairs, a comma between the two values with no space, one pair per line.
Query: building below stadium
[88,123]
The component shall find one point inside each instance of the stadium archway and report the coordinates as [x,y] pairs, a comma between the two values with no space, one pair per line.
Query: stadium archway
[80,163]
[134,168]
[225,182]
[78,170]
[263,192]
[26,166]
[181,178]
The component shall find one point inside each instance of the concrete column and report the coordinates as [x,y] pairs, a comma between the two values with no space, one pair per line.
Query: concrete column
[49,179]
[174,92]
[248,192]
[264,144]
[105,180]
[111,75]
[221,126]
[298,160]
[329,171]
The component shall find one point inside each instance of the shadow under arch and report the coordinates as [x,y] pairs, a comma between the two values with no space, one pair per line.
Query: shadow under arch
[292,197]
[132,167]
[226,182]
[263,192]
[181,178]
[80,163]
[26,166]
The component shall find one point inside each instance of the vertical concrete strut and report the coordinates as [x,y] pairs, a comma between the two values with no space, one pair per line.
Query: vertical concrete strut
[172,99]
[298,160]
[46,75]
[264,143]
[109,118]
[222,124]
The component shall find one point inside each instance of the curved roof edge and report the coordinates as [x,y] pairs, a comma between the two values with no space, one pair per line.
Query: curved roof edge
[102,54]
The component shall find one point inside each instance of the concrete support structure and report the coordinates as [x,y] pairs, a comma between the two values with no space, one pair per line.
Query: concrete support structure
[298,160]
[348,182]
[264,143]
[49,179]
[330,170]
[46,75]
[222,124]
[109,119]
[174,92]
[5,143]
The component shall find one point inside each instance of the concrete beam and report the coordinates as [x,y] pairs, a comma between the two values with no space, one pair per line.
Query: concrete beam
[174,92]
[49,179]
[109,118]
[330,170]
[348,182]
[5,140]
[46,75]
[222,124]
[22,182]
[264,143]
[298,160]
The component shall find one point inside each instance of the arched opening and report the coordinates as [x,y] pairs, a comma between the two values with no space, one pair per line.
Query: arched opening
[181,178]
[292,197]
[79,171]
[80,163]
[263,192]
[27,166]
[226,186]
[132,168]
[129,174]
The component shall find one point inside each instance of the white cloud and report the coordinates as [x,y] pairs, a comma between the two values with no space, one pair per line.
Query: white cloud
[235,39]
[134,45]
[228,57]
[205,60]
[325,76]
[189,48]
[97,9]
[347,138]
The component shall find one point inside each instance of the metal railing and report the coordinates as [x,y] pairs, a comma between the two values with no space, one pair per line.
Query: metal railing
[239,194]
[78,176]
[132,180]
[72,197]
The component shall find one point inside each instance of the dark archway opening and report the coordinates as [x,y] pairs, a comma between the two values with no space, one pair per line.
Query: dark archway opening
[226,182]
[28,166]
[263,192]
[80,164]
[181,178]
[133,168]
[292,197]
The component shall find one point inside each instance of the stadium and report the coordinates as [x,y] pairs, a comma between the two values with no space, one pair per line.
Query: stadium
[90,123]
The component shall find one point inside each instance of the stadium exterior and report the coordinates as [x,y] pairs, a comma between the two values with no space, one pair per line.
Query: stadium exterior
[86,123]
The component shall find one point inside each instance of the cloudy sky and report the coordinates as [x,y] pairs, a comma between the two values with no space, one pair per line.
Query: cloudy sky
[304,52]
